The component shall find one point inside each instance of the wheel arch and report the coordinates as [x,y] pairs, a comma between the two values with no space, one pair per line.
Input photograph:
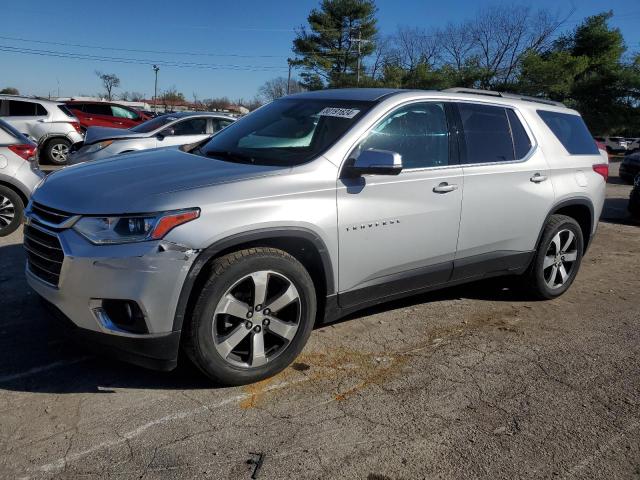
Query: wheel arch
[581,210]
[22,194]
[303,244]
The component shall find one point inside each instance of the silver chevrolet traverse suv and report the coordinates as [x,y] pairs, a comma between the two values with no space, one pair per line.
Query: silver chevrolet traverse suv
[311,207]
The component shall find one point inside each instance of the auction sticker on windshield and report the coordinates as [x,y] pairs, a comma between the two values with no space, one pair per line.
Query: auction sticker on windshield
[338,112]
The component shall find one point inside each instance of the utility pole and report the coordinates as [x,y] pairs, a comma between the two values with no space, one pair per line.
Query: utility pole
[290,62]
[155,90]
[359,41]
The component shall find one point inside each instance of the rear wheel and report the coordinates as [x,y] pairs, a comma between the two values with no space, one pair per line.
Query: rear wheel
[557,259]
[11,211]
[57,151]
[253,316]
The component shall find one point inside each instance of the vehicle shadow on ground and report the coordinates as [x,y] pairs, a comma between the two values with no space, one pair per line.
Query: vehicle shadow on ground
[38,355]
[615,211]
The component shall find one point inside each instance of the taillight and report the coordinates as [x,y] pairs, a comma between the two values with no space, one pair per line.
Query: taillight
[601,146]
[76,125]
[602,169]
[24,150]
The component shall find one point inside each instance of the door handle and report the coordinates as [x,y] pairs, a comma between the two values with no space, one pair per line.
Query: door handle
[444,187]
[537,178]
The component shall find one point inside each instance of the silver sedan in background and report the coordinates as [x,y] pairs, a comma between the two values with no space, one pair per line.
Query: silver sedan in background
[164,131]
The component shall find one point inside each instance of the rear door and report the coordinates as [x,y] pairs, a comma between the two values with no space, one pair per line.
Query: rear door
[398,233]
[507,191]
[98,115]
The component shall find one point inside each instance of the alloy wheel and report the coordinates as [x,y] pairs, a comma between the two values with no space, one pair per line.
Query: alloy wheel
[256,319]
[7,211]
[560,258]
[59,152]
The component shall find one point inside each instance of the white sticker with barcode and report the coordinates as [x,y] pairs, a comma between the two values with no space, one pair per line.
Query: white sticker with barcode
[338,112]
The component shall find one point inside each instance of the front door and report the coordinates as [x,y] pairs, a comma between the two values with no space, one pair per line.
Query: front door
[183,132]
[399,233]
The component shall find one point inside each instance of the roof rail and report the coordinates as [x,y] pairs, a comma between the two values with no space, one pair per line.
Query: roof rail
[493,93]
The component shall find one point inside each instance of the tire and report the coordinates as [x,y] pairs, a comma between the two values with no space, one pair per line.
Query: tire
[228,312]
[11,211]
[560,250]
[57,151]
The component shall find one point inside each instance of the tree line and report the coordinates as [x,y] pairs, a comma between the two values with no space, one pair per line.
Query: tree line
[507,47]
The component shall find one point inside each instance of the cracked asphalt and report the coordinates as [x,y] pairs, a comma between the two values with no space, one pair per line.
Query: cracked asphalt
[476,381]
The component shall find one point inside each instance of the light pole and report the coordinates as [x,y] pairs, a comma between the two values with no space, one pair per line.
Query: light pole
[290,62]
[155,90]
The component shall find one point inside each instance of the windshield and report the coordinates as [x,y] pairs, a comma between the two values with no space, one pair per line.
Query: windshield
[286,132]
[153,124]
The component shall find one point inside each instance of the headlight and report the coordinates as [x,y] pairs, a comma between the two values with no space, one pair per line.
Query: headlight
[127,229]
[96,147]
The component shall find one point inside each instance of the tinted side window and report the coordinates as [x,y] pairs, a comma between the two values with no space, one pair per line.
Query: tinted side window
[486,132]
[220,124]
[40,110]
[97,109]
[419,132]
[194,126]
[123,112]
[75,106]
[21,109]
[571,131]
[521,141]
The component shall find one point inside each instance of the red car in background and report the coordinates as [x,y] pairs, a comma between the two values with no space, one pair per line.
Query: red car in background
[105,114]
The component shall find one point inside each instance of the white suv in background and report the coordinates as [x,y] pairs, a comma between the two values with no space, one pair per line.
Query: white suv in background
[50,124]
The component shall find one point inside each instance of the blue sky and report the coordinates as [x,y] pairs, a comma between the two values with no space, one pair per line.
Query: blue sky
[261,29]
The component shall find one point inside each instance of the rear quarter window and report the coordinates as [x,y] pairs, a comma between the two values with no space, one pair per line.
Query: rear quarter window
[571,131]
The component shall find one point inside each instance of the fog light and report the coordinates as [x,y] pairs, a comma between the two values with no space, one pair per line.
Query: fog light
[125,315]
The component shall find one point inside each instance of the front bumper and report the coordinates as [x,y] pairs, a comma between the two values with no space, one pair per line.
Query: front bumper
[155,352]
[148,273]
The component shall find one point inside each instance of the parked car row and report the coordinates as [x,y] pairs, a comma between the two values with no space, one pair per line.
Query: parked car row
[163,131]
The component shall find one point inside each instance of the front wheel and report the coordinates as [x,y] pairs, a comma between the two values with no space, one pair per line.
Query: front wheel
[557,258]
[253,316]
[11,211]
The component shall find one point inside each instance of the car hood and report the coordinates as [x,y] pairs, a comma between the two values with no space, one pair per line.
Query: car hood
[140,182]
[98,134]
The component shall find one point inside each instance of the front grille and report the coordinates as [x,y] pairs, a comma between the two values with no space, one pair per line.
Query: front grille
[49,214]
[44,254]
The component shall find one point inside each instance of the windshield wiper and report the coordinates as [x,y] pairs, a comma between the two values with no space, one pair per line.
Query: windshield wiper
[230,156]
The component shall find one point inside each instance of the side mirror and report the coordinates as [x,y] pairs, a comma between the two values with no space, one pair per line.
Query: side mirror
[167,132]
[374,162]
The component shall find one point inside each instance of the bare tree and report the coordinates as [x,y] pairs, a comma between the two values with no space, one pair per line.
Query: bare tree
[137,96]
[456,43]
[109,82]
[124,96]
[277,87]
[220,103]
[383,54]
[503,34]
[414,45]
[252,104]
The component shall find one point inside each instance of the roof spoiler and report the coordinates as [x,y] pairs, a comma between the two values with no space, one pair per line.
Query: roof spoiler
[493,93]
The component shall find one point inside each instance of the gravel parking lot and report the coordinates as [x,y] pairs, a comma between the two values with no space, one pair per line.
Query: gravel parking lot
[474,381]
